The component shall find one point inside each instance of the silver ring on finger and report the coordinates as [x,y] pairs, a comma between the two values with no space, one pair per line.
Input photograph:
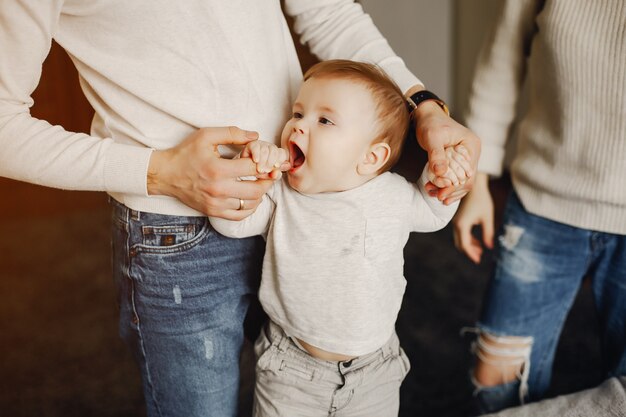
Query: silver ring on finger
[242,204]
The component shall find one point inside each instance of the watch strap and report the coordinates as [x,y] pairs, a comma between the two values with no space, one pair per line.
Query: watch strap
[424,95]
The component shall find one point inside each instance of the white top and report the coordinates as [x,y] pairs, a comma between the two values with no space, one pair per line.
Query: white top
[570,161]
[155,71]
[333,266]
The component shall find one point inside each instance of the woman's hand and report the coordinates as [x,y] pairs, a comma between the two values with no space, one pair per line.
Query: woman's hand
[475,209]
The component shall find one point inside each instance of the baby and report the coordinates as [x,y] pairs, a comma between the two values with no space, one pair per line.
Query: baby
[335,228]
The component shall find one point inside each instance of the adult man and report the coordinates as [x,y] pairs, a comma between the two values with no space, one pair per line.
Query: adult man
[157,74]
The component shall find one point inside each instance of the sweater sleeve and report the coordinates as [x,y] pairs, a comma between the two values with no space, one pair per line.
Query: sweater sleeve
[341,29]
[255,224]
[33,150]
[498,79]
[428,214]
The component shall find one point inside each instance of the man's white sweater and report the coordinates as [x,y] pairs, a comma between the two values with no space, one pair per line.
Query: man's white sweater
[570,161]
[157,70]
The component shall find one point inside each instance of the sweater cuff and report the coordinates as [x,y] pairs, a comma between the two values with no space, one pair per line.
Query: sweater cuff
[493,137]
[126,169]
[491,160]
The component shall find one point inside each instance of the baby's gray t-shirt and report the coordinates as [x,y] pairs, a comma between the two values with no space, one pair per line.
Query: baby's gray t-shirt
[333,266]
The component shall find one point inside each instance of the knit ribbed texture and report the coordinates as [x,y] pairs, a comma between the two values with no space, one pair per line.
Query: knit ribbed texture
[570,162]
[155,72]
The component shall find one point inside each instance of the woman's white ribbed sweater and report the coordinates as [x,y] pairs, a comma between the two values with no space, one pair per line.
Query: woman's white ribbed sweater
[570,161]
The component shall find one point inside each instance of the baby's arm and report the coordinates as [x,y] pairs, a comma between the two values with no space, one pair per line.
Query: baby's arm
[270,161]
[269,158]
[458,168]
[427,213]
[255,224]
[432,214]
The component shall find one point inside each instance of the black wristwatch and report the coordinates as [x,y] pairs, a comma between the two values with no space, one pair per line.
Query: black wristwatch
[425,95]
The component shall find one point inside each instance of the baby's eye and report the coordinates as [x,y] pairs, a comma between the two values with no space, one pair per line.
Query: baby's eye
[297,115]
[325,121]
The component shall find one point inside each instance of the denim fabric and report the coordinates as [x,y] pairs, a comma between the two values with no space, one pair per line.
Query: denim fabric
[290,382]
[183,294]
[540,267]
[497,397]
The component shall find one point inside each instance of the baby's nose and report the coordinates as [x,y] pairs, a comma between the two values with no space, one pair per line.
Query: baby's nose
[297,129]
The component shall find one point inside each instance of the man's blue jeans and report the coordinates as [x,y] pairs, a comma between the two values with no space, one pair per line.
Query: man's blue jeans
[540,267]
[183,293]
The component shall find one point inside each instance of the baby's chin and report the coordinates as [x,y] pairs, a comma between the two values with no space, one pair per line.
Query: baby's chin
[293,182]
[298,185]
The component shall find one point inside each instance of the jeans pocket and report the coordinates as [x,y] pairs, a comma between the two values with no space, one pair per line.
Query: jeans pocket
[168,235]
[171,238]
[169,259]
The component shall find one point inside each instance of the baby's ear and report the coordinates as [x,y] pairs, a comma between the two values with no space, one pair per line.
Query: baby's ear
[374,159]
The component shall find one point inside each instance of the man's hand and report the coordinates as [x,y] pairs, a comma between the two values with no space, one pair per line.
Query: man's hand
[475,209]
[194,172]
[436,131]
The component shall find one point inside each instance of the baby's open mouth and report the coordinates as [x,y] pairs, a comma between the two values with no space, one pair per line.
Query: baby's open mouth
[296,156]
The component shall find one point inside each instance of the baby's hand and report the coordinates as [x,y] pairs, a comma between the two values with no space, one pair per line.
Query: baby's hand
[458,168]
[269,158]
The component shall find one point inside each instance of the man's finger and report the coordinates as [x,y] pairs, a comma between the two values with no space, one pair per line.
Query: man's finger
[242,204]
[454,197]
[236,168]
[438,162]
[249,190]
[228,135]
[445,192]
[235,214]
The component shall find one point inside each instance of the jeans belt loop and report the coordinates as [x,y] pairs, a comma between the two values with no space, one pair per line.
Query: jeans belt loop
[135,215]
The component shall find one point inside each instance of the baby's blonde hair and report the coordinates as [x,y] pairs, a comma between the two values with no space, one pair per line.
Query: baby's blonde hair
[391,106]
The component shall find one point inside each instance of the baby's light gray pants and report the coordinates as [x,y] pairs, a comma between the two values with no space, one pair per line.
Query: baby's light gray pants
[292,383]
